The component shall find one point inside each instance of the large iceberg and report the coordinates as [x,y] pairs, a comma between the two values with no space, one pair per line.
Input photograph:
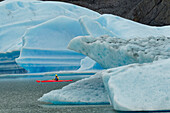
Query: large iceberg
[112,52]
[56,33]
[44,46]
[34,19]
[139,87]
[39,28]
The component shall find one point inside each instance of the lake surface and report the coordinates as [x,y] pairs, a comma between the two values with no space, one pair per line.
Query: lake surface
[19,95]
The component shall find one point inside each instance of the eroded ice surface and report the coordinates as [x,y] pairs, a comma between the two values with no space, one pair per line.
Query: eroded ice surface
[86,91]
[112,52]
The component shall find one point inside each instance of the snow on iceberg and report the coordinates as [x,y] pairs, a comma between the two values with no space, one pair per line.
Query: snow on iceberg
[112,52]
[86,91]
[139,87]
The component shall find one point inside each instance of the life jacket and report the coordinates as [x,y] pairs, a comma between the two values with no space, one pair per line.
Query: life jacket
[56,78]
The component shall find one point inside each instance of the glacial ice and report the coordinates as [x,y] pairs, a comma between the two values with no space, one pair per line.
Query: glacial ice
[37,26]
[8,64]
[18,15]
[50,40]
[86,91]
[56,34]
[139,87]
[133,87]
[112,52]
[119,27]
[32,18]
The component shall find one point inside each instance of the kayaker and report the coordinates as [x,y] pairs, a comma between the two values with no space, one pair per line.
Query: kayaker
[56,77]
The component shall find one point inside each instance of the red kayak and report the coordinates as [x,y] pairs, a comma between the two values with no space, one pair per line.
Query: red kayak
[53,81]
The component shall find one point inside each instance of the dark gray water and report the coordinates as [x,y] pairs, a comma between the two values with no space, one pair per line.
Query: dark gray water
[20,95]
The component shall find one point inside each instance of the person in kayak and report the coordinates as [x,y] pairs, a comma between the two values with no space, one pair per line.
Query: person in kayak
[56,77]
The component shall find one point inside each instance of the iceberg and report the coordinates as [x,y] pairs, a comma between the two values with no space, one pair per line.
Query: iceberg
[113,26]
[139,80]
[44,46]
[139,87]
[134,87]
[47,27]
[87,91]
[112,52]
[19,17]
